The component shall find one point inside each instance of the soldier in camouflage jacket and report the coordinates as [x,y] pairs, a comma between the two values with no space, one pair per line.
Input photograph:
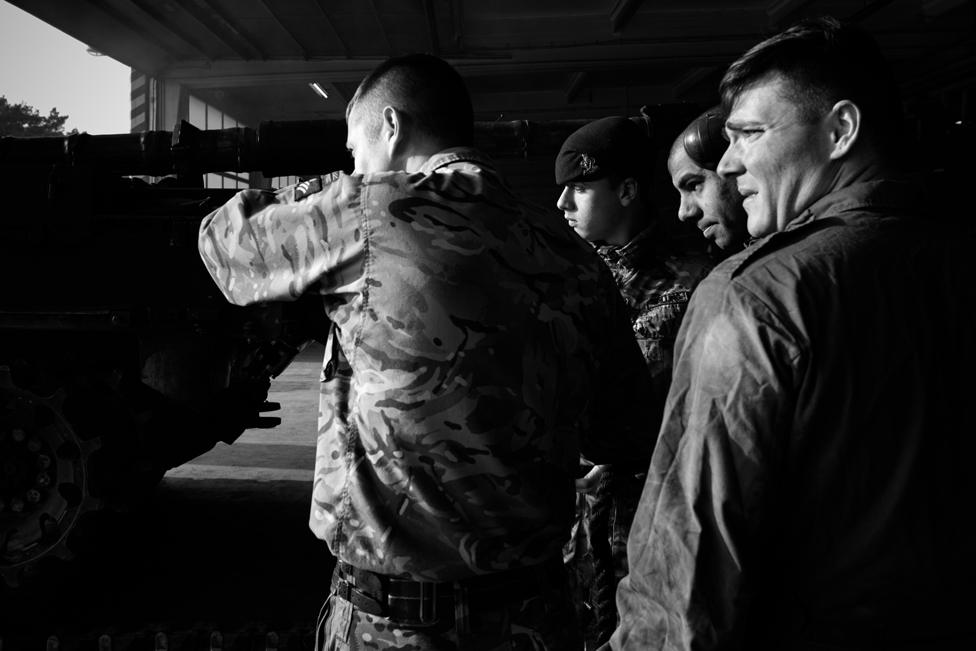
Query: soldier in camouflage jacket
[604,170]
[479,348]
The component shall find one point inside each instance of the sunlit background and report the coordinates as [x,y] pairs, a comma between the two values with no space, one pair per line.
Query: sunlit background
[45,68]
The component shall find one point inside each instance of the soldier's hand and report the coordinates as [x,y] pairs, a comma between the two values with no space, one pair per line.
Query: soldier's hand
[588,482]
[239,407]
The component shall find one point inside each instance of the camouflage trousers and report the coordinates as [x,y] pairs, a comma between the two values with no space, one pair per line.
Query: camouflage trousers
[543,622]
[596,554]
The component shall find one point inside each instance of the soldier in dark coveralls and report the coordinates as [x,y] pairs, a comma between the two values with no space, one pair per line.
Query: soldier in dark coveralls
[812,484]
[605,170]
[479,348]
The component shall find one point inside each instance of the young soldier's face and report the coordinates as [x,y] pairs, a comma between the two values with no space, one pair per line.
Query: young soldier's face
[592,208]
[712,203]
[780,161]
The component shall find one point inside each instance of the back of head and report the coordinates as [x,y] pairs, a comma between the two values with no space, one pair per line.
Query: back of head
[704,139]
[613,147]
[425,90]
[824,61]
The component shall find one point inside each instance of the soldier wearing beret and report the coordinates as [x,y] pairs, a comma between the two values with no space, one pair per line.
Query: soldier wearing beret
[604,168]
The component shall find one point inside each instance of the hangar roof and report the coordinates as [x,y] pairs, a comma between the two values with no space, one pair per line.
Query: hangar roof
[522,59]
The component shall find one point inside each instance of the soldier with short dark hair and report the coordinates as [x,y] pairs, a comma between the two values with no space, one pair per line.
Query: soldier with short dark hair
[811,486]
[478,348]
[709,201]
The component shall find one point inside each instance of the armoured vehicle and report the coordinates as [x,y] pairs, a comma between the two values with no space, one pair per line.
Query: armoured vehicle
[118,360]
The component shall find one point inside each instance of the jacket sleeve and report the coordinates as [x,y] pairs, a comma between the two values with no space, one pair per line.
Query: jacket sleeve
[264,246]
[693,543]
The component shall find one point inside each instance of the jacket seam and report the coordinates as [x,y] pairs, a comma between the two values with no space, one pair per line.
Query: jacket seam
[352,432]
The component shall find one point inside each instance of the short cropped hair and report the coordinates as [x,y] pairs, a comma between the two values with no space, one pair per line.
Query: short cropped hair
[824,61]
[703,140]
[424,88]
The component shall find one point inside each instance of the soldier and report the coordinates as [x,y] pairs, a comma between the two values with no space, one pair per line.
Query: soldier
[604,168]
[811,483]
[478,348]
[713,203]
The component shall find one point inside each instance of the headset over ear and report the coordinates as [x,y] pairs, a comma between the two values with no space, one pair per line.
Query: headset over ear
[704,139]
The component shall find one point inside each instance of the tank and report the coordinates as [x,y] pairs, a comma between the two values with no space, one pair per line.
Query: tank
[119,359]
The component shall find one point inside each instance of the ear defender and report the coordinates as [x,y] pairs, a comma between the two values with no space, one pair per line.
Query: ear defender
[704,139]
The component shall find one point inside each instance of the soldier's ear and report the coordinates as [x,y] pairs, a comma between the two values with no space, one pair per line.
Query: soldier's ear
[391,132]
[844,126]
[389,123]
[627,191]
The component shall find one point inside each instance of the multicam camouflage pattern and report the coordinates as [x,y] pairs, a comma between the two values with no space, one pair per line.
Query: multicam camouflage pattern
[483,346]
[656,281]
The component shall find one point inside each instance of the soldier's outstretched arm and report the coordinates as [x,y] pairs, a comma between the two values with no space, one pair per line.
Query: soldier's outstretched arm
[266,246]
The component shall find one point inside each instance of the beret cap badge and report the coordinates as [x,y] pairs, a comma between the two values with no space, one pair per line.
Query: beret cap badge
[587,164]
[613,144]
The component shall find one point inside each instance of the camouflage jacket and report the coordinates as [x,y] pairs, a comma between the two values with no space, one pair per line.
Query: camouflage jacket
[656,281]
[483,347]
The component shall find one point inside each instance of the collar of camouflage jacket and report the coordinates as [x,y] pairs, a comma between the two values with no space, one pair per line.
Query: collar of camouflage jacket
[456,155]
[628,253]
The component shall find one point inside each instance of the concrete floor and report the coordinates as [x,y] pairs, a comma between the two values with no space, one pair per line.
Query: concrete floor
[222,547]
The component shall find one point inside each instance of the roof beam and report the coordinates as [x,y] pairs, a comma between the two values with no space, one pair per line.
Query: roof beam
[576,85]
[868,9]
[134,27]
[431,16]
[554,61]
[778,11]
[154,15]
[337,94]
[939,7]
[332,28]
[457,20]
[217,24]
[621,14]
[691,80]
[284,28]
[379,23]
[527,103]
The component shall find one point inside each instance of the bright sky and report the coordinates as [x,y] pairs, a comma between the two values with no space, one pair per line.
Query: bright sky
[47,69]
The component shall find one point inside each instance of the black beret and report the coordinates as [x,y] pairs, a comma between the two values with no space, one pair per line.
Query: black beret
[608,145]
[704,139]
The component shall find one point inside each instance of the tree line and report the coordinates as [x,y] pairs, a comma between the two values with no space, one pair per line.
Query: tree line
[23,120]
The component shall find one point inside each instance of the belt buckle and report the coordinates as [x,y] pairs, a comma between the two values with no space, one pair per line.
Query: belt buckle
[428,603]
[420,610]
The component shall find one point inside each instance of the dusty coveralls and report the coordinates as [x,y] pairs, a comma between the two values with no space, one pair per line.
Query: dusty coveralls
[483,346]
[811,479]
